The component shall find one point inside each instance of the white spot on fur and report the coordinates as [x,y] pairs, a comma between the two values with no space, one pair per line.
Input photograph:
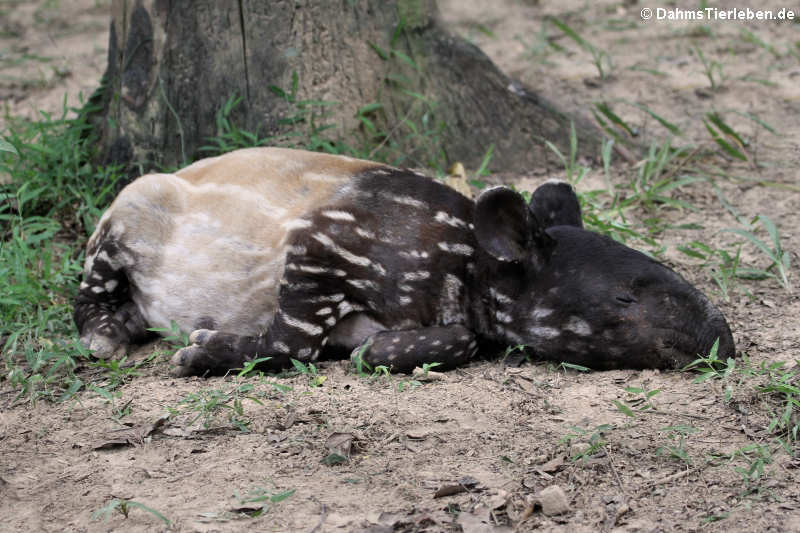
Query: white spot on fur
[542,312]
[111,285]
[297,223]
[416,276]
[414,254]
[409,348]
[346,307]
[324,311]
[505,318]
[509,335]
[365,233]
[347,255]
[327,298]
[445,218]
[545,333]
[578,326]
[500,297]
[306,327]
[330,321]
[296,250]
[98,289]
[363,284]
[304,286]
[450,306]
[84,285]
[335,214]
[311,269]
[103,256]
[405,300]
[281,347]
[406,200]
[304,353]
[455,248]
[436,343]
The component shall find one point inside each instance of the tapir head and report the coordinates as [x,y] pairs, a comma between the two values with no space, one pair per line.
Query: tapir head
[576,296]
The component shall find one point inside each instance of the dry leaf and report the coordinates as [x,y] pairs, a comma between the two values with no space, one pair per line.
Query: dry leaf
[132,436]
[465,484]
[340,444]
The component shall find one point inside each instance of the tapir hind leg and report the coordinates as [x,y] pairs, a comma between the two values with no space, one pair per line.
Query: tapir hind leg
[107,318]
[402,351]
[215,352]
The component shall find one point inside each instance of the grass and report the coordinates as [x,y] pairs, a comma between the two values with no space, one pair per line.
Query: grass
[584,443]
[712,69]
[265,499]
[47,211]
[771,386]
[124,507]
[601,59]
[383,373]
[315,379]
[224,405]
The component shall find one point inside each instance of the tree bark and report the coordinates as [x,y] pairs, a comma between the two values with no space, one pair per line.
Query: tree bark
[401,84]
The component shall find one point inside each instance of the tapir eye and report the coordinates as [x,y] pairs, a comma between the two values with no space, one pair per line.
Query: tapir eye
[625,299]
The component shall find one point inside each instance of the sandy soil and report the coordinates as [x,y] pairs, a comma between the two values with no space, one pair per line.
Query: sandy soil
[480,448]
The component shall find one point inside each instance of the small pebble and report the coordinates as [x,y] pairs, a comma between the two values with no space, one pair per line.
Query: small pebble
[553,500]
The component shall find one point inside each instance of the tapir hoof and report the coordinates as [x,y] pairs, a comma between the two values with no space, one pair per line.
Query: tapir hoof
[193,359]
[102,346]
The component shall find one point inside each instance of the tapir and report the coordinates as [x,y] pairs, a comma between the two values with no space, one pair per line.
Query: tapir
[275,253]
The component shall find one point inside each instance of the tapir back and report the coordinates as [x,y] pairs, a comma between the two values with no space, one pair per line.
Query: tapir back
[206,246]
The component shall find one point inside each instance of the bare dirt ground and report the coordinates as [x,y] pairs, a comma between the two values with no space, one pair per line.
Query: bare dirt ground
[474,450]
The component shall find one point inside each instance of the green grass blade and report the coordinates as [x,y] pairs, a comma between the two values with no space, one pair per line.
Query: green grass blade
[383,54]
[572,34]
[758,243]
[150,510]
[674,129]
[483,170]
[725,145]
[715,119]
[605,109]
[6,146]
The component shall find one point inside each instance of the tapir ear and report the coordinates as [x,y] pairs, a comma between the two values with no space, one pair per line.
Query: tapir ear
[503,225]
[555,204]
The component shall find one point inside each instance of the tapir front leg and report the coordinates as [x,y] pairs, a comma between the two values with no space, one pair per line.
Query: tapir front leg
[402,351]
[215,352]
[299,330]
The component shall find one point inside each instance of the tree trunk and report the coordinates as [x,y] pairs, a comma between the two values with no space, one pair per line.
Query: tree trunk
[384,74]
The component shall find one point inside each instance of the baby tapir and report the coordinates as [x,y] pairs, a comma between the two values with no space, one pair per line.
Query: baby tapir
[277,253]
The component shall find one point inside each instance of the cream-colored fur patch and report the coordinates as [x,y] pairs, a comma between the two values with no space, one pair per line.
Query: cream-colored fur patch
[210,240]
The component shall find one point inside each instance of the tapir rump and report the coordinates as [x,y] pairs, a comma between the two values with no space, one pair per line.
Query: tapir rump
[277,253]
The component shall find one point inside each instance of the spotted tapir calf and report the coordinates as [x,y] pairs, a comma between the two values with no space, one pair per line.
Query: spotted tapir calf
[278,253]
